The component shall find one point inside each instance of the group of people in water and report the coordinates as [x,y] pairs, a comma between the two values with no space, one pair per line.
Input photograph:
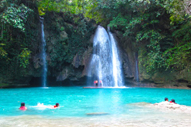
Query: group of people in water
[172,100]
[97,83]
[23,107]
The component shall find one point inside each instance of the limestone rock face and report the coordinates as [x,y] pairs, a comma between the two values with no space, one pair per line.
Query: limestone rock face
[37,61]
[69,51]
[127,54]
[77,60]
[167,79]
[127,65]
[63,35]
[78,69]
[63,75]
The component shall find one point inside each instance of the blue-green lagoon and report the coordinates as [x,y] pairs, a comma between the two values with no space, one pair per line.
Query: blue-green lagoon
[81,107]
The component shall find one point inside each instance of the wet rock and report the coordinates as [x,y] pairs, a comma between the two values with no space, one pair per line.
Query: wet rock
[37,61]
[63,35]
[77,61]
[97,113]
[63,75]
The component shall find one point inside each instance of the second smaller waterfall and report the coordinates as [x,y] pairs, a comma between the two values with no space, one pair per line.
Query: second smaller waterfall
[136,68]
[44,80]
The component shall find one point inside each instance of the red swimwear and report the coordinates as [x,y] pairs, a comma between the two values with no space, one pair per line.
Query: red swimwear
[22,108]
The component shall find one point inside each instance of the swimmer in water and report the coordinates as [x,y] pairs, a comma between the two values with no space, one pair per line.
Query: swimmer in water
[56,106]
[173,101]
[23,107]
[166,99]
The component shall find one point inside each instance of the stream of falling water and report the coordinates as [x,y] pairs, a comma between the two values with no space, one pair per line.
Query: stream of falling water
[105,65]
[44,80]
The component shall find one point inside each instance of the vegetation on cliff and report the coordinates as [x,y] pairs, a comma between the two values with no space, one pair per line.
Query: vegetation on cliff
[17,37]
[68,34]
[159,29]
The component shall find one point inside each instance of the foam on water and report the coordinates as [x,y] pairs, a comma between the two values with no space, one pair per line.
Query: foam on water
[41,106]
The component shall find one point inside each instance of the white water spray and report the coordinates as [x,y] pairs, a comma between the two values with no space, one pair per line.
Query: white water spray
[105,64]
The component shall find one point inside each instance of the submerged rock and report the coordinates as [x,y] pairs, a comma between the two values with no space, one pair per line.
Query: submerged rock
[97,113]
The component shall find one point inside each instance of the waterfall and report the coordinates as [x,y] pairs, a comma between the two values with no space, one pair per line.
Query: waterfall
[44,80]
[117,71]
[136,68]
[105,64]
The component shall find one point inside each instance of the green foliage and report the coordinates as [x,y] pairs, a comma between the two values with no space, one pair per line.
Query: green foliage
[72,6]
[147,22]
[16,16]
[102,10]
[24,57]
[3,84]
[184,32]
[162,27]
[178,57]
[3,53]
[176,9]
[72,33]
[119,21]
[17,37]
[154,55]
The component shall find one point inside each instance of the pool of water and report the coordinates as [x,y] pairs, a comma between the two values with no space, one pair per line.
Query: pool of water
[122,106]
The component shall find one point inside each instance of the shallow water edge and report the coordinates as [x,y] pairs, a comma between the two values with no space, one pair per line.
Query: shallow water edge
[152,120]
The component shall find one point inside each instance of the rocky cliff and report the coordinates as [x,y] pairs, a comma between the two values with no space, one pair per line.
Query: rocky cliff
[69,41]
[69,48]
[163,78]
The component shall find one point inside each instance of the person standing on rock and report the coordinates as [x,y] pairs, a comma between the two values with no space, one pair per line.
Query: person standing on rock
[96,83]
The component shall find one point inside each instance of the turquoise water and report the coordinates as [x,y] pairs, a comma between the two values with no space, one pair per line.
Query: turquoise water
[77,102]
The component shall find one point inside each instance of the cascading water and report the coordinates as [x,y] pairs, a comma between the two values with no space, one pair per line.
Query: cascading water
[105,64]
[117,71]
[136,68]
[43,53]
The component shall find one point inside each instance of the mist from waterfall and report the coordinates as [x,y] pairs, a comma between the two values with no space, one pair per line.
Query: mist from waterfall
[44,76]
[105,64]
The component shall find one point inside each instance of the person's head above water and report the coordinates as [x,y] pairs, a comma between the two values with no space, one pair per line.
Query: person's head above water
[22,104]
[166,99]
[173,101]
[57,104]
